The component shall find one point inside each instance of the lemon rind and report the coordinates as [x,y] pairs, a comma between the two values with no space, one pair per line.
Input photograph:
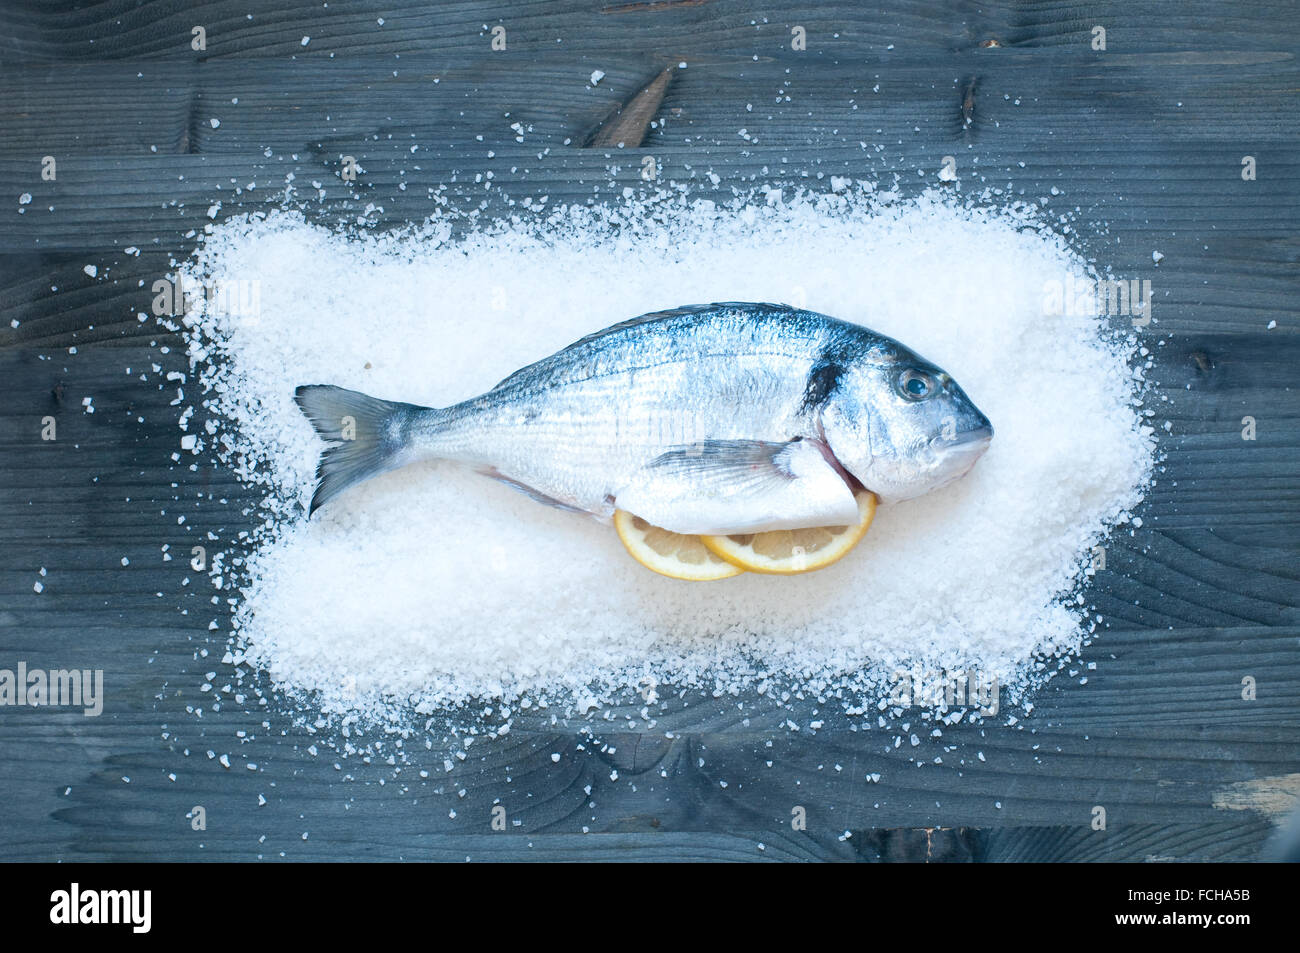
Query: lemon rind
[724,548]
[658,564]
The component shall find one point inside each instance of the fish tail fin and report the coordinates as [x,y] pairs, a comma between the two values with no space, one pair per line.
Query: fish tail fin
[368,436]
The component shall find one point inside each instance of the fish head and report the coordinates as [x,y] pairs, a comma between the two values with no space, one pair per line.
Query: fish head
[902,426]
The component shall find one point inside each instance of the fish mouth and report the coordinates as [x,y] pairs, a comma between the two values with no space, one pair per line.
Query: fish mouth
[961,453]
[973,441]
[957,454]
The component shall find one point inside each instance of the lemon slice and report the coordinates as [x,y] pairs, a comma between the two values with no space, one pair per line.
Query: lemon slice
[670,554]
[789,551]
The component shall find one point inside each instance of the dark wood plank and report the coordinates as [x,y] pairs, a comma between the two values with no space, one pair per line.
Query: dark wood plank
[1145,140]
[311,115]
[1003,95]
[162,28]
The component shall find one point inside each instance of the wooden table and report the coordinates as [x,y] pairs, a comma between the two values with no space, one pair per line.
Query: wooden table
[1146,138]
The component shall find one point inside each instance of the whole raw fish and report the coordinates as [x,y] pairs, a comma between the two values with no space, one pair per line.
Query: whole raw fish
[718,418]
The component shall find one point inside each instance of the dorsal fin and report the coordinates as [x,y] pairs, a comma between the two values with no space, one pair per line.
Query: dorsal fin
[676,313]
[651,318]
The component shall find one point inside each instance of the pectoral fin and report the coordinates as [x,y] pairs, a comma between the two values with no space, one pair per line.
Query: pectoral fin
[740,486]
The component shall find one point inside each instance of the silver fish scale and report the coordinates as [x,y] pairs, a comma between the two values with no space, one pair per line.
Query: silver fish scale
[722,418]
[577,425]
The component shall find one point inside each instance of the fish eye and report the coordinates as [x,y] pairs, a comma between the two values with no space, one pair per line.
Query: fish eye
[915,385]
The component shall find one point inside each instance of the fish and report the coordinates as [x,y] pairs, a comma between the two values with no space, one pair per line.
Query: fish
[724,418]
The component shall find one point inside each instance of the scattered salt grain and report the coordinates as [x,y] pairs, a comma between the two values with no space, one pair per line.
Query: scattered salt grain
[972,576]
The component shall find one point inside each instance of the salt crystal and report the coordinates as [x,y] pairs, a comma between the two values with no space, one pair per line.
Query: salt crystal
[574,617]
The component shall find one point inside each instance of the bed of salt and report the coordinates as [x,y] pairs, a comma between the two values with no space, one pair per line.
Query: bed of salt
[431,586]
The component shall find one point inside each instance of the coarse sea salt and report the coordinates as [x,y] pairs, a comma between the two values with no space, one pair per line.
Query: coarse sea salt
[431,587]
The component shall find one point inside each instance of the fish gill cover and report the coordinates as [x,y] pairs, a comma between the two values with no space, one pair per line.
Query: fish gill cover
[431,588]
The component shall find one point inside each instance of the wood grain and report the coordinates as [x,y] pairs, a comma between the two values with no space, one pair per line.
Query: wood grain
[63,30]
[1143,143]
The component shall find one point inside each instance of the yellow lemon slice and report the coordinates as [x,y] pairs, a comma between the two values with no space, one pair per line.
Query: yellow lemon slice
[670,554]
[789,551]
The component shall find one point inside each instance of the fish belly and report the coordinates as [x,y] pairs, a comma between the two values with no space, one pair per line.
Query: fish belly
[579,443]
